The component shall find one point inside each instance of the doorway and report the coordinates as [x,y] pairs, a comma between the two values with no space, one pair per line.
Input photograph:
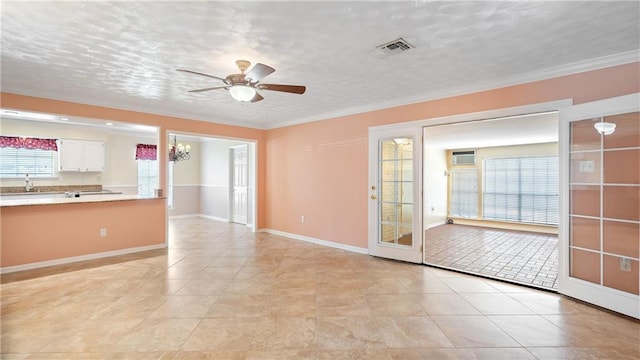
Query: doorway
[205,184]
[491,198]
[238,184]
[588,267]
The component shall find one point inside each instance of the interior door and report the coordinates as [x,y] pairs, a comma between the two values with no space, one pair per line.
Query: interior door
[395,211]
[599,234]
[240,184]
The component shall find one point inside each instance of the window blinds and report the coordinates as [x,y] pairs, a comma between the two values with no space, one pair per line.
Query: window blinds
[147,177]
[521,189]
[464,193]
[17,162]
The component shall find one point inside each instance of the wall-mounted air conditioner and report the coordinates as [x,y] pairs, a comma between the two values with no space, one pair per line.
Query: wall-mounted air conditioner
[463,157]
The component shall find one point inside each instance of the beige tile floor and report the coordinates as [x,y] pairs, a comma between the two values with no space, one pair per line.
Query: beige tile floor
[222,292]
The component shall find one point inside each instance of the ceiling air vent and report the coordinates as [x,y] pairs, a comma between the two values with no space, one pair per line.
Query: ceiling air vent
[396,46]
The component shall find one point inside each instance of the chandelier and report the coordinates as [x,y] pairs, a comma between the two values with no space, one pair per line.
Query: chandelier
[178,151]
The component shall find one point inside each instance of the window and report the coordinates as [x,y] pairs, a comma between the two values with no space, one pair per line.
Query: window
[147,177]
[18,162]
[464,193]
[521,189]
[20,156]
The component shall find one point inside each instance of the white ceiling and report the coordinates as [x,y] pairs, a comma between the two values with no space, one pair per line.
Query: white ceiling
[65,121]
[124,54]
[512,130]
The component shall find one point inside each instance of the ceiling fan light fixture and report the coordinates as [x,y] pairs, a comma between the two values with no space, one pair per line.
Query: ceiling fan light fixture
[242,92]
[244,86]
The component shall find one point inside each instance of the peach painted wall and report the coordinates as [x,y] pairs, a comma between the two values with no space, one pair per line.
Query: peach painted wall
[37,233]
[165,123]
[319,169]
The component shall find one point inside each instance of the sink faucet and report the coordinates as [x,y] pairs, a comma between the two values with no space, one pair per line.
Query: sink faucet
[28,184]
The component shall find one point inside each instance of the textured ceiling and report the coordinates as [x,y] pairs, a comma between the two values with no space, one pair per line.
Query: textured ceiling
[124,54]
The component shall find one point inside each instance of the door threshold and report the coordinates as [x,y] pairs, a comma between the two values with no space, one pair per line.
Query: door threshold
[508,281]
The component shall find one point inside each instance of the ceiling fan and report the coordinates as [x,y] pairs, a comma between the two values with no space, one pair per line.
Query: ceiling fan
[244,87]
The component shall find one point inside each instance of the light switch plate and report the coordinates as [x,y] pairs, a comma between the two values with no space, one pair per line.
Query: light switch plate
[586,166]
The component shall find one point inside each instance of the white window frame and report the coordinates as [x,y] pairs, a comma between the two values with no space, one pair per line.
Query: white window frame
[170,184]
[145,166]
[32,174]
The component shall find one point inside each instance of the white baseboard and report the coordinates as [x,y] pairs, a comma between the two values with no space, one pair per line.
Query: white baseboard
[41,264]
[332,244]
[250,226]
[213,218]
[187,216]
[436,224]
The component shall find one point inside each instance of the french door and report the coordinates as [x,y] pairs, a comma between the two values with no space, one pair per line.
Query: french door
[395,204]
[600,206]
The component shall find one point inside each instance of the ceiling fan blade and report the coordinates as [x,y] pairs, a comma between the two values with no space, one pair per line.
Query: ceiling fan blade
[198,73]
[295,89]
[207,89]
[258,71]
[257,98]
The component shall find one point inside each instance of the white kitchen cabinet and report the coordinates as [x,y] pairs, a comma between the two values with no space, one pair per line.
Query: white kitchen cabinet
[80,155]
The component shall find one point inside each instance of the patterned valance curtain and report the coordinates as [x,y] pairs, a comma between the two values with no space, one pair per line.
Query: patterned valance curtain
[28,143]
[146,152]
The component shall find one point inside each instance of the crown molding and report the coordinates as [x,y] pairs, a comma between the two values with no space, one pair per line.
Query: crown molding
[544,74]
[141,109]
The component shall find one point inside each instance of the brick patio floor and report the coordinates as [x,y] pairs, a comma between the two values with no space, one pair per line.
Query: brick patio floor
[522,257]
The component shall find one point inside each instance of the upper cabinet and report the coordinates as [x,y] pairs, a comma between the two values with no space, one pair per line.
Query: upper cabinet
[80,155]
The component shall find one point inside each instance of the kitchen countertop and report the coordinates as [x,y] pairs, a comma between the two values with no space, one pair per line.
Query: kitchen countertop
[6,201]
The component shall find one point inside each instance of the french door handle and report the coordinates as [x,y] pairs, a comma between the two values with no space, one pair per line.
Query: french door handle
[373,197]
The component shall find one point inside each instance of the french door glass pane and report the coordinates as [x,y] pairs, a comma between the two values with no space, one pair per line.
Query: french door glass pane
[604,198]
[395,210]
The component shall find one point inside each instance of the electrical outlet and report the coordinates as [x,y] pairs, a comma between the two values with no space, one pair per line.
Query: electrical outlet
[625,264]
[302,219]
[103,232]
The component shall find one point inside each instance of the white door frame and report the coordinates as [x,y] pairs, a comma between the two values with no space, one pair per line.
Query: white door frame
[393,251]
[232,190]
[418,125]
[606,297]
[253,169]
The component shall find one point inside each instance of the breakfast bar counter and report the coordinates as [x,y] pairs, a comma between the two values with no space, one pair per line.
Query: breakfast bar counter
[38,199]
[42,231]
